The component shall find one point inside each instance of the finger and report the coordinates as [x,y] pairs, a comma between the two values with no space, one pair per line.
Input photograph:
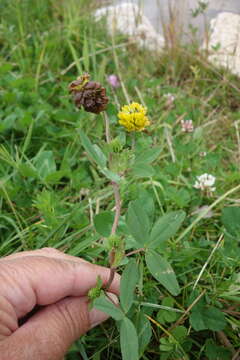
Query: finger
[47,252]
[50,332]
[51,253]
[41,280]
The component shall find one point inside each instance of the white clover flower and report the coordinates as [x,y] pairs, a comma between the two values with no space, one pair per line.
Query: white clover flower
[205,182]
[170,98]
[187,125]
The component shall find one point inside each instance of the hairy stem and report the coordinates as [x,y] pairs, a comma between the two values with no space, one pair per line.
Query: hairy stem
[107,128]
[117,207]
[135,252]
[117,198]
[113,231]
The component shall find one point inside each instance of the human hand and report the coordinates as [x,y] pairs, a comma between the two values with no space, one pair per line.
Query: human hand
[59,283]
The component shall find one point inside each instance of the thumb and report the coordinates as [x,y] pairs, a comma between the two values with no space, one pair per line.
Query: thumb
[51,331]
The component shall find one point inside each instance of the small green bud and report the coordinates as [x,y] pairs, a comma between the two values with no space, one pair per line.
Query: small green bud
[116,145]
[96,291]
[119,255]
[123,161]
[114,241]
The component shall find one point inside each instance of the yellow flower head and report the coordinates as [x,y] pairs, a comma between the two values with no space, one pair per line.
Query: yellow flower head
[133,117]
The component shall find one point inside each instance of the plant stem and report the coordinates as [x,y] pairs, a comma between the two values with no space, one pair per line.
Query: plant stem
[107,128]
[225,341]
[117,198]
[133,137]
[135,252]
[113,231]
[111,276]
[117,208]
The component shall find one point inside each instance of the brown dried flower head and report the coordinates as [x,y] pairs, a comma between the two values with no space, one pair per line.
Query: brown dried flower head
[88,94]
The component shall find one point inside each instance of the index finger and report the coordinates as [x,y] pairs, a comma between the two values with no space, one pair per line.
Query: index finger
[39,280]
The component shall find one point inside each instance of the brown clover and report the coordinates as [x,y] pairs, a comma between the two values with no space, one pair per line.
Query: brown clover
[88,94]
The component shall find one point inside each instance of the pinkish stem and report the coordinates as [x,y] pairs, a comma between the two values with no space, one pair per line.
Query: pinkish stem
[117,208]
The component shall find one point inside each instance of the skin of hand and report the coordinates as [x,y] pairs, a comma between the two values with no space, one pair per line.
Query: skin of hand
[59,283]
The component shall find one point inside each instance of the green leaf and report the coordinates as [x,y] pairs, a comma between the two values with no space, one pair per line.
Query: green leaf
[180,197]
[28,170]
[5,68]
[101,155]
[147,156]
[94,152]
[142,170]
[167,315]
[138,222]
[45,164]
[162,271]
[144,331]
[215,352]
[180,333]
[147,202]
[102,303]
[110,175]
[98,156]
[165,227]
[166,345]
[128,283]
[47,203]
[55,177]
[231,220]
[128,340]
[207,317]
[103,223]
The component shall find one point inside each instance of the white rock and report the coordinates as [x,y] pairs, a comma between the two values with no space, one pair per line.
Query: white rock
[128,19]
[224,42]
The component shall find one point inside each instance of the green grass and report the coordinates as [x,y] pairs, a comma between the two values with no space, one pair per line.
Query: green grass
[51,190]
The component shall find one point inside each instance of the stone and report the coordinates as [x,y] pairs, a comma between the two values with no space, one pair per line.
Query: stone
[128,19]
[157,11]
[224,41]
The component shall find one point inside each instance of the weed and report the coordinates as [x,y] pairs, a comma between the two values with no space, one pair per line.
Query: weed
[176,247]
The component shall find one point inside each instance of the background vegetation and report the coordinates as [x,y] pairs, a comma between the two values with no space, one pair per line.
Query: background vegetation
[52,193]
